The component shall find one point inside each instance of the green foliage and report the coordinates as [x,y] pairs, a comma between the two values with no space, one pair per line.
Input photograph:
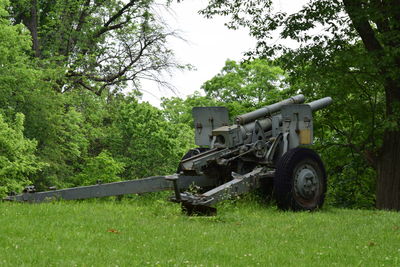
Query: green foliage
[351,183]
[58,129]
[251,83]
[81,135]
[73,130]
[101,44]
[102,168]
[15,39]
[145,142]
[63,148]
[349,133]
[178,110]
[18,81]
[17,75]
[243,87]
[17,156]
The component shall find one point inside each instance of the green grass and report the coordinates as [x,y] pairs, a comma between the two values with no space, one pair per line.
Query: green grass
[151,231]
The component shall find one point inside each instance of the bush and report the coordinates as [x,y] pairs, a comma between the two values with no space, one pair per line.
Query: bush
[101,168]
[17,158]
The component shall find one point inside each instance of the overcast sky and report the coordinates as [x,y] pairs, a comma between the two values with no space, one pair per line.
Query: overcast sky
[208,45]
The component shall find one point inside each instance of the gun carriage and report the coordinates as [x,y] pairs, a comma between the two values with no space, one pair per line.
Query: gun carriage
[263,147]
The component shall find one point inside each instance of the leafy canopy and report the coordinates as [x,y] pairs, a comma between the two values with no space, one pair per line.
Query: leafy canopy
[100,45]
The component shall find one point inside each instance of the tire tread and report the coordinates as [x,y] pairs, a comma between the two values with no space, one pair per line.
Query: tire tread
[283,180]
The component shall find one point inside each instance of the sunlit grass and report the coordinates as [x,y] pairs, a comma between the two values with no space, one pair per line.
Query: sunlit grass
[152,231]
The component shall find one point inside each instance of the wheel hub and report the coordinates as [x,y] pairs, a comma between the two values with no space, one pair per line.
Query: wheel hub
[306,181]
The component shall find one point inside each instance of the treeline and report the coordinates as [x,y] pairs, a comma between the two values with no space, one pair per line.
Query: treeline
[65,121]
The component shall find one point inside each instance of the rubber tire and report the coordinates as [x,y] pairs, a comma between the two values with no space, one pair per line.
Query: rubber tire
[284,193]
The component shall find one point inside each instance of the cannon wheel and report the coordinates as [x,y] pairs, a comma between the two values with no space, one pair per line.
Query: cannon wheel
[300,180]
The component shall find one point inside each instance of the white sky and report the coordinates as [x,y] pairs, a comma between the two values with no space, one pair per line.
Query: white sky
[208,45]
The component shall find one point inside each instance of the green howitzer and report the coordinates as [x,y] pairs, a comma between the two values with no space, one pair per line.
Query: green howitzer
[264,149]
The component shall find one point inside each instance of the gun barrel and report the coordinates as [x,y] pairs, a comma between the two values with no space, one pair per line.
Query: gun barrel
[266,123]
[320,103]
[268,110]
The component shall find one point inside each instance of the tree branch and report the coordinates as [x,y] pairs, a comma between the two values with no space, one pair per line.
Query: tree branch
[83,16]
[360,22]
[110,28]
[120,12]
[107,26]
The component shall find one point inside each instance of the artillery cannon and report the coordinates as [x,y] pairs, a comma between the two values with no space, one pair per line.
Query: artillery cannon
[263,145]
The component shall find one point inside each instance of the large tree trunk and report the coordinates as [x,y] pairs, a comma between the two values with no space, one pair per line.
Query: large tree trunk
[388,65]
[388,184]
[34,28]
[31,22]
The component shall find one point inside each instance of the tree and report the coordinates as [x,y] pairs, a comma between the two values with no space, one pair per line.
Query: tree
[250,82]
[54,134]
[20,84]
[241,87]
[101,45]
[103,168]
[17,156]
[349,132]
[144,141]
[373,24]
[177,110]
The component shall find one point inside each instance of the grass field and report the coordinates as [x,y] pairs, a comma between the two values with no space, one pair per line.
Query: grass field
[151,231]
